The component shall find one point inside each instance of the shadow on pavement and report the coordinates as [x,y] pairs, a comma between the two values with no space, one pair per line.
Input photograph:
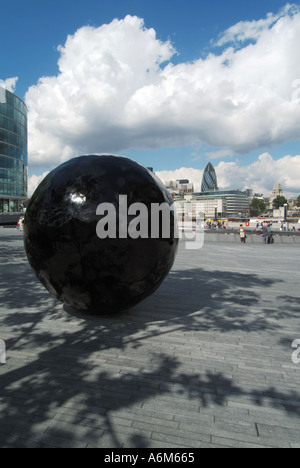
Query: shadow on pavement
[66,366]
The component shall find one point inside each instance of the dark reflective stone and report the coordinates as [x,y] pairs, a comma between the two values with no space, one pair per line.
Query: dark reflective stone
[80,269]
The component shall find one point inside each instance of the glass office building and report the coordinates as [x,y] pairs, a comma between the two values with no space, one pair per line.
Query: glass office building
[209,180]
[236,201]
[13,152]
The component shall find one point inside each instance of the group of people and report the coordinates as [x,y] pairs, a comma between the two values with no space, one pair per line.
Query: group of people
[266,234]
[286,227]
[216,225]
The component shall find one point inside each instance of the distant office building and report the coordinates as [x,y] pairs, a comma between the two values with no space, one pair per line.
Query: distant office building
[235,202]
[210,202]
[13,152]
[203,207]
[180,187]
[277,190]
[209,180]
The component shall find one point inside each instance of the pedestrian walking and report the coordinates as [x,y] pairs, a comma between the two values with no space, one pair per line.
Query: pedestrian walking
[265,234]
[243,235]
[20,224]
[270,234]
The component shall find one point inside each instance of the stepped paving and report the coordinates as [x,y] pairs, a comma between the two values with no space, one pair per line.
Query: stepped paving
[204,362]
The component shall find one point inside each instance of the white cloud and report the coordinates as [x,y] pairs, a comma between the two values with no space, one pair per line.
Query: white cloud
[83,109]
[193,175]
[34,181]
[252,30]
[116,89]
[9,83]
[261,175]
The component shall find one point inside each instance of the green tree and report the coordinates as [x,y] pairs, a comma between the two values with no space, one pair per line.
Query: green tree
[257,206]
[298,200]
[279,201]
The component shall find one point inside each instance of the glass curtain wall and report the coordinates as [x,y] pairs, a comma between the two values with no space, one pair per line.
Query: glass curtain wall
[13,152]
[209,180]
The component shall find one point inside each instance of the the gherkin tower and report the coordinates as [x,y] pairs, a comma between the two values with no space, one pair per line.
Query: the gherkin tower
[209,180]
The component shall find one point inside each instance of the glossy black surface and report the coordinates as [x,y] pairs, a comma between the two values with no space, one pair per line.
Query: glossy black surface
[76,266]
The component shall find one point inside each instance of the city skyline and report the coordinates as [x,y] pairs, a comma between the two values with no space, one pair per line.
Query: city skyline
[276,189]
[170,87]
[239,176]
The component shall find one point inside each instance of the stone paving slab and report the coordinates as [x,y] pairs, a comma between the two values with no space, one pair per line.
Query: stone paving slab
[204,362]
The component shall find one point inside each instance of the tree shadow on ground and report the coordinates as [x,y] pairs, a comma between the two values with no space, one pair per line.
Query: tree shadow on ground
[64,392]
[46,392]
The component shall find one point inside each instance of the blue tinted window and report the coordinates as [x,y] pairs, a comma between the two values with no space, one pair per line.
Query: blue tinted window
[13,149]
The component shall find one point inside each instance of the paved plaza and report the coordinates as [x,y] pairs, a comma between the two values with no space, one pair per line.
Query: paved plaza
[206,361]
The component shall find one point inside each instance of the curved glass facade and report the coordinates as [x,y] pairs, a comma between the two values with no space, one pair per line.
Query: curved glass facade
[209,181]
[13,152]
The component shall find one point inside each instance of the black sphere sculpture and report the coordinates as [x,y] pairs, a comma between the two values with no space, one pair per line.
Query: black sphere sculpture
[99,233]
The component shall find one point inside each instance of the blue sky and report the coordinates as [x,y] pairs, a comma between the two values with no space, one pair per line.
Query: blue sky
[32,31]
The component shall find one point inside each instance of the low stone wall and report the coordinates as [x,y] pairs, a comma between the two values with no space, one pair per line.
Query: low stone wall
[10,219]
[252,237]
